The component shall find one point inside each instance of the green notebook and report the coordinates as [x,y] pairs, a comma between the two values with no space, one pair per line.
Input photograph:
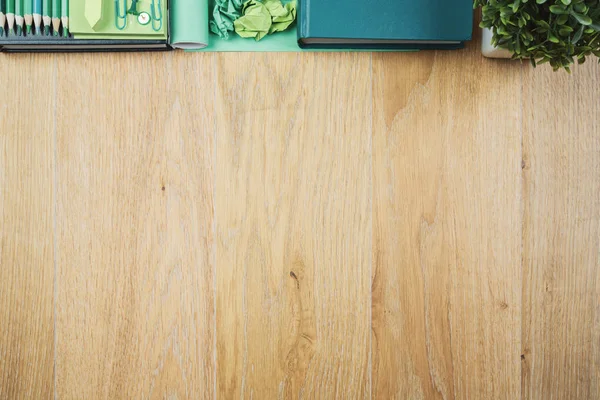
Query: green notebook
[384,23]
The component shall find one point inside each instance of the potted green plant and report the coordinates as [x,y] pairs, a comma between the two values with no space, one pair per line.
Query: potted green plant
[558,32]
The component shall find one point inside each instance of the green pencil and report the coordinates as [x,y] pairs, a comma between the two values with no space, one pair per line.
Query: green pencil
[2,16]
[19,16]
[46,16]
[56,17]
[37,15]
[65,17]
[28,7]
[10,15]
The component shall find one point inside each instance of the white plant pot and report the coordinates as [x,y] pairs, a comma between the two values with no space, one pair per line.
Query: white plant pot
[491,51]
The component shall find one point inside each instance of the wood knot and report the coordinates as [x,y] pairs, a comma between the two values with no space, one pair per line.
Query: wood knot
[294,277]
[292,361]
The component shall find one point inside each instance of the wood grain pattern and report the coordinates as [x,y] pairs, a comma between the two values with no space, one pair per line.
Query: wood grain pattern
[294,226]
[288,226]
[135,312]
[447,227]
[561,275]
[26,232]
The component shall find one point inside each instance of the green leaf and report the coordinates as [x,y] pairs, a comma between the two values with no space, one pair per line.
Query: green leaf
[565,32]
[583,19]
[515,5]
[558,10]
[578,35]
[562,19]
[543,24]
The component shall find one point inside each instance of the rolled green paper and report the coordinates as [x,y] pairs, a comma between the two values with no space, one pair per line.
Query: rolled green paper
[28,10]
[19,20]
[46,12]
[65,17]
[10,15]
[189,24]
[56,17]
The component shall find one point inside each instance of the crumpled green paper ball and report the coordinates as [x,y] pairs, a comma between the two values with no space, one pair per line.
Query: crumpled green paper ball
[225,12]
[262,18]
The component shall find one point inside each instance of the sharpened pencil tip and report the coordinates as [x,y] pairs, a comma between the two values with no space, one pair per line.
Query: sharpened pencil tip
[1,31]
[19,30]
[29,29]
[65,32]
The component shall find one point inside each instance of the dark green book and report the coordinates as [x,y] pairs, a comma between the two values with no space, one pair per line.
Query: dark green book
[394,24]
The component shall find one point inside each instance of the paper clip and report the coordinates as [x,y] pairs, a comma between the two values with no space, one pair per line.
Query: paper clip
[156,17]
[120,16]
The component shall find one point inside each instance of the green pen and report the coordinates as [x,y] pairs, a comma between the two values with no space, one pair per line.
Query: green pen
[28,9]
[65,17]
[10,15]
[46,16]
[2,16]
[56,17]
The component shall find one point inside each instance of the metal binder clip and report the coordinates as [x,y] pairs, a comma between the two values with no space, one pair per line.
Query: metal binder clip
[133,9]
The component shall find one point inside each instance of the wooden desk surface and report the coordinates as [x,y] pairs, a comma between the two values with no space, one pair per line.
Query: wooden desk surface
[330,226]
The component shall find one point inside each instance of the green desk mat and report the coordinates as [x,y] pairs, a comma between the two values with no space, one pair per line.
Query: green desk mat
[278,42]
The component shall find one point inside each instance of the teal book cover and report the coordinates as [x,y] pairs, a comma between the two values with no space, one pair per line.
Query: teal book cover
[393,23]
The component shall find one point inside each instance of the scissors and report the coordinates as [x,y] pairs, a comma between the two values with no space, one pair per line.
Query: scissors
[155,16]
